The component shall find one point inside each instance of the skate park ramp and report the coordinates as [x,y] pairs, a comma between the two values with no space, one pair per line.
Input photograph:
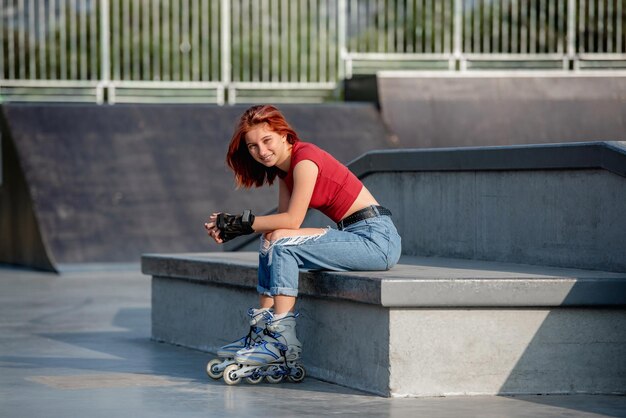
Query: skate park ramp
[429,110]
[99,184]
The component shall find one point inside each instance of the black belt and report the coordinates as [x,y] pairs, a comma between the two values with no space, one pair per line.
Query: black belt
[360,215]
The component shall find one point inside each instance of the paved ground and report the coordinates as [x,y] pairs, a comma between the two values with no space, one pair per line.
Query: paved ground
[78,345]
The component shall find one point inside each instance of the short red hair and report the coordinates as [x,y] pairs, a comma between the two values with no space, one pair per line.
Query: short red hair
[248,171]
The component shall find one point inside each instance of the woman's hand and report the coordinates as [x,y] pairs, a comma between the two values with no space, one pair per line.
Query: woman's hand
[212,230]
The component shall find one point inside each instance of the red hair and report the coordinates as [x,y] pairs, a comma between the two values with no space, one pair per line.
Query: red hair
[248,171]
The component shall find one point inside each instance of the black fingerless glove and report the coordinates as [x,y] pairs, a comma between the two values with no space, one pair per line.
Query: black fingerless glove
[232,226]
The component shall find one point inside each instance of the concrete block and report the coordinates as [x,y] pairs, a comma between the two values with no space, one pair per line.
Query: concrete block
[507,351]
[425,328]
[345,343]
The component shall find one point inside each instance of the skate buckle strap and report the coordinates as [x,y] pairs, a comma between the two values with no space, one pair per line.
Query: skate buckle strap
[282,347]
[270,333]
[267,315]
[249,341]
[272,317]
[363,214]
[283,352]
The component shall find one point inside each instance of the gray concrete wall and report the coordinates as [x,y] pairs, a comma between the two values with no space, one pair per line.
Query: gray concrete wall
[439,110]
[559,218]
[344,342]
[507,351]
[568,218]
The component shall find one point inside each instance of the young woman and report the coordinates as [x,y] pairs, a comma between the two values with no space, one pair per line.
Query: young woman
[263,148]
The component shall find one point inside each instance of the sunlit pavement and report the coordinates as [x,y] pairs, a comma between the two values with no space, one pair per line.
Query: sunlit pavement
[78,345]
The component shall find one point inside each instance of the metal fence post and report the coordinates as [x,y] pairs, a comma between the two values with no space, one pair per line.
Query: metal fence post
[571,33]
[1,60]
[106,52]
[341,38]
[225,55]
[458,35]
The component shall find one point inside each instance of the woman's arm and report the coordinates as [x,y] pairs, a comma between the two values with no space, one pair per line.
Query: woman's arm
[292,208]
[283,196]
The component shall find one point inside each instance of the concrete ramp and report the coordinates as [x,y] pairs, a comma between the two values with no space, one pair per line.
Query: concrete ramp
[92,184]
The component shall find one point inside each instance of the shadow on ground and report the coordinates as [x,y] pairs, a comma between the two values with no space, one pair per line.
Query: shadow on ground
[132,351]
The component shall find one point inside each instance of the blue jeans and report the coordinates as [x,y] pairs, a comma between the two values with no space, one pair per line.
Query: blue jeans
[370,244]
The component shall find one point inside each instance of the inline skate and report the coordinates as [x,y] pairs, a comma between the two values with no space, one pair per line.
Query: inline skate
[274,358]
[226,354]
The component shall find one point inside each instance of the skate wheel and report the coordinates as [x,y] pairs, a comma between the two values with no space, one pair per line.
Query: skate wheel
[211,369]
[274,378]
[229,375]
[298,375]
[254,380]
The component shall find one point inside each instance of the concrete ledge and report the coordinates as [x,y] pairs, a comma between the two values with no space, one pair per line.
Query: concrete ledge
[609,155]
[416,282]
[428,327]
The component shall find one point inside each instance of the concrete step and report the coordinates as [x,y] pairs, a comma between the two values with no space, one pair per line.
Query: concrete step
[428,327]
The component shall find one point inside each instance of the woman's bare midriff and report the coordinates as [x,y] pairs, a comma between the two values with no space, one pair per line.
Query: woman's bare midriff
[363,200]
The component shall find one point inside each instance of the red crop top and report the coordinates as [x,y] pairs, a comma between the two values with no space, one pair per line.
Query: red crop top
[336,187]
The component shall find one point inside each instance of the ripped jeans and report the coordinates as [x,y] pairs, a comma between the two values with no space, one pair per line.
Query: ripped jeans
[370,244]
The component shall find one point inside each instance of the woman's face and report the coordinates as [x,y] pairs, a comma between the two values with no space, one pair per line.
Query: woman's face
[268,147]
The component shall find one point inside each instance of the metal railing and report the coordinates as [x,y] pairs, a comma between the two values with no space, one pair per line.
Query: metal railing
[218,51]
